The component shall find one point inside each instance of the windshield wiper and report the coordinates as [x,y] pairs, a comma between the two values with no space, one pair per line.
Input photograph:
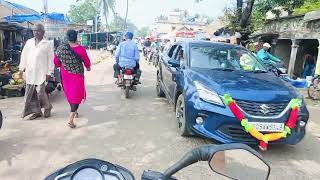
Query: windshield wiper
[223,69]
[259,71]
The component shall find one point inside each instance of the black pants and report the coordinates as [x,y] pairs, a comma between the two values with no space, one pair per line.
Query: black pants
[74,107]
[117,69]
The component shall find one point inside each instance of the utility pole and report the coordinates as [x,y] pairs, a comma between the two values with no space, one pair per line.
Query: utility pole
[45,6]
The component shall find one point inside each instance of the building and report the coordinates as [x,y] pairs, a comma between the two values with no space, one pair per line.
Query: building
[292,37]
[7,8]
[177,22]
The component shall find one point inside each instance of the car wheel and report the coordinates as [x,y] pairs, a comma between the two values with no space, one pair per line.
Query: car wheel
[1,119]
[181,116]
[160,92]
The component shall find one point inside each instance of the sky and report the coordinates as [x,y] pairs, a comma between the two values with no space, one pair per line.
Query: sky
[141,12]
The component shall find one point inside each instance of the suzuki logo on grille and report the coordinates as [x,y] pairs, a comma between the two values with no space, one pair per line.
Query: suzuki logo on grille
[265,109]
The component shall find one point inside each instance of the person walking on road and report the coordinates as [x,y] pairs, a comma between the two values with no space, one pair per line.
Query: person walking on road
[71,57]
[37,63]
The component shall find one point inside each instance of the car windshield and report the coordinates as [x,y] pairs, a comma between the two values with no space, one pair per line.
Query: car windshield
[223,57]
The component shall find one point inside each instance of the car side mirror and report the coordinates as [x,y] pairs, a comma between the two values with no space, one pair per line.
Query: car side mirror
[174,63]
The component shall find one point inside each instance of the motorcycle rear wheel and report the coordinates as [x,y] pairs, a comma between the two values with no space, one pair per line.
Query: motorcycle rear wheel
[126,92]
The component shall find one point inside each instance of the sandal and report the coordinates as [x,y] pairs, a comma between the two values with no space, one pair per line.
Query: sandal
[35,116]
[71,125]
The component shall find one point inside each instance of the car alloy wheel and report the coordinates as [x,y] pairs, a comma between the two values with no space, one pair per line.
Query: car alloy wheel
[181,116]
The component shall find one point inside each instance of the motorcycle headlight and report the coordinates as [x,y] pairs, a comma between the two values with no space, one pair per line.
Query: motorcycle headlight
[208,95]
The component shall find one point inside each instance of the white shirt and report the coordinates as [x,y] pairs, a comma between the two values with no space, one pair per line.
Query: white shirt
[37,61]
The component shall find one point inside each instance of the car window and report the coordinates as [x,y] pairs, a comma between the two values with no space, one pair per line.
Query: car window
[179,54]
[224,57]
[171,51]
[175,53]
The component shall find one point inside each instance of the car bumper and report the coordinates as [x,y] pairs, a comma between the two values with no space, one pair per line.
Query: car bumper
[220,124]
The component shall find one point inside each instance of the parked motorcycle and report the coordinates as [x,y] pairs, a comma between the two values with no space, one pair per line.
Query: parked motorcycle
[127,81]
[54,83]
[314,88]
[234,161]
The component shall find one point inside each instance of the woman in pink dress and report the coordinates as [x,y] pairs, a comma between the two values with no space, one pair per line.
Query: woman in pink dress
[71,57]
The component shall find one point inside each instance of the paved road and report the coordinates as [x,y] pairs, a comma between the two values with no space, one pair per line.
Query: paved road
[138,133]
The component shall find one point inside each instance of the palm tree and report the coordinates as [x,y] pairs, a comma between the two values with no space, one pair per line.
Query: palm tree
[105,6]
[125,19]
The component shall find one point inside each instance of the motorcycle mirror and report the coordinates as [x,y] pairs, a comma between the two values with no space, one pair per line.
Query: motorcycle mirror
[239,164]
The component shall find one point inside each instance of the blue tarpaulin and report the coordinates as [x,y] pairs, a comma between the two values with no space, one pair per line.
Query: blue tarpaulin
[35,17]
[23,18]
[56,17]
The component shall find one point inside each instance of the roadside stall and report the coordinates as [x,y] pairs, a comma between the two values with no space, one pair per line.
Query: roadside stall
[12,38]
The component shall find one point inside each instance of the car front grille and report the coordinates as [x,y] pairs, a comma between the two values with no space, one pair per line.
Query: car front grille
[236,133]
[262,109]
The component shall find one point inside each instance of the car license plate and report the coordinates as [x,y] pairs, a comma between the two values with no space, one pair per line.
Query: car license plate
[268,127]
[127,77]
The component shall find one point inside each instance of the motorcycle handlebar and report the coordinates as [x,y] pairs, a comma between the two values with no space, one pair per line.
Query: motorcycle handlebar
[202,153]
[205,153]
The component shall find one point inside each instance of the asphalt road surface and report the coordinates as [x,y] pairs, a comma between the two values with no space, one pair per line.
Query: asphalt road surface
[138,133]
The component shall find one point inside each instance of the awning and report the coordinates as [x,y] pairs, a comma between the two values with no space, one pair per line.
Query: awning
[21,18]
[185,34]
[10,26]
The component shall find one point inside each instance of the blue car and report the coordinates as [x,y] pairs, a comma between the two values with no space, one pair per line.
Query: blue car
[195,75]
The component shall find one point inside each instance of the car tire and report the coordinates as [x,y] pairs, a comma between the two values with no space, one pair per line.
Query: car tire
[181,118]
[1,119]
[160,92]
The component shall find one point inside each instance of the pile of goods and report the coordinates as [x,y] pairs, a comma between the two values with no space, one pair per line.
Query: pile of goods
[12,83]
[17,79]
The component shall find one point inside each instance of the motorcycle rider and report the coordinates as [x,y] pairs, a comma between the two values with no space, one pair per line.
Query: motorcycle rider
[266,57]
[146,44]
[127,56]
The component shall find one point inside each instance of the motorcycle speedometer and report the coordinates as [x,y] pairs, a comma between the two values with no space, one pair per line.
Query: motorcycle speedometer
[87,173]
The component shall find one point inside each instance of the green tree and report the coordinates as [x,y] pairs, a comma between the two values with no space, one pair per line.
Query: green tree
[240,15]
[119,24]
[82,12]
[105,7]
[308,5]
[261,7]
[143,32]
[88,9]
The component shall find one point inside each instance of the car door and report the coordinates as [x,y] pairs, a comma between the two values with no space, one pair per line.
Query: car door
[173,71]
[166,70]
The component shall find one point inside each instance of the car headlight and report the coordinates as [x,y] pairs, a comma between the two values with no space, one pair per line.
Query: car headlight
[208,95]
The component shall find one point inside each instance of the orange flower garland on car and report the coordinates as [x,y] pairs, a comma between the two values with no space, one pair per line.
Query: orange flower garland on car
[265,138]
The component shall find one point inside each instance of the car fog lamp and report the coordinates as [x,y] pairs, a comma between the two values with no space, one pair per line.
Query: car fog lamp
[302,124]
[199,120]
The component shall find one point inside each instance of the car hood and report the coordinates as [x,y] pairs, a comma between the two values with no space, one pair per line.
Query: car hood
[249,86]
